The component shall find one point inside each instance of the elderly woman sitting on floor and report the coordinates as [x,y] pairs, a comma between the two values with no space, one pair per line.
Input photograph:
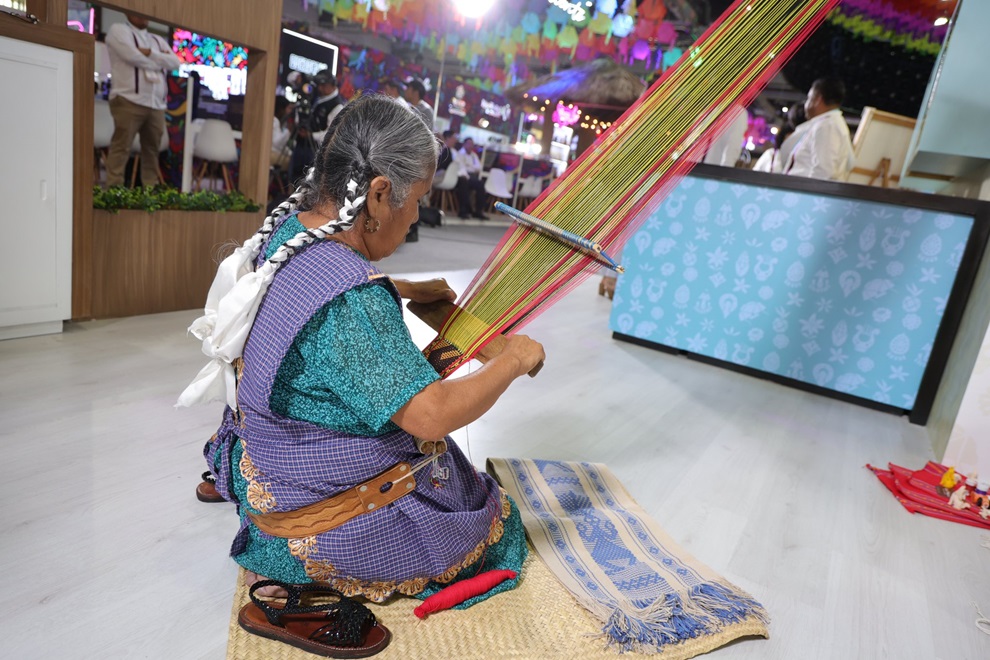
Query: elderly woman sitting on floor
[333,399]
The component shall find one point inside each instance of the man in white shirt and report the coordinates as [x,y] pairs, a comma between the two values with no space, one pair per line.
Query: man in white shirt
[469,180]
[822,148]
[786,140]
[281,132]
[139,64]
[393,89]
[416,97]
[727,147]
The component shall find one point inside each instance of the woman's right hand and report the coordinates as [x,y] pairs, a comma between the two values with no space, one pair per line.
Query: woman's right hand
[527,352]
[449,404]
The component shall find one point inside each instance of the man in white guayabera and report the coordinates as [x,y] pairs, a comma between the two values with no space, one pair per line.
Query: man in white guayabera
[139,64]
[822,148]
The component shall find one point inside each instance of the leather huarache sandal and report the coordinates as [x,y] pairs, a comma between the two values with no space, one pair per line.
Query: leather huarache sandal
[206,491]
[342,629]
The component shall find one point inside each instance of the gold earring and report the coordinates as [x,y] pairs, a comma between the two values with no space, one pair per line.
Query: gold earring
[368,229]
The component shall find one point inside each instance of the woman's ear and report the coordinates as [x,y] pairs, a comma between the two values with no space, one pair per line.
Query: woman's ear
[379,193]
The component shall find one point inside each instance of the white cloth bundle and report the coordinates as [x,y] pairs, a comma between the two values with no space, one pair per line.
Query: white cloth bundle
[228,315]
[232,304]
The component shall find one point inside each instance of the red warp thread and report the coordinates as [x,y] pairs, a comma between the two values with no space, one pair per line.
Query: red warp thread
[459,592]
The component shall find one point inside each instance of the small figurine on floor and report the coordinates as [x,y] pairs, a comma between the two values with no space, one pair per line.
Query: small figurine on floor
[607,287]
[958,498]
[949,479]
[980,498]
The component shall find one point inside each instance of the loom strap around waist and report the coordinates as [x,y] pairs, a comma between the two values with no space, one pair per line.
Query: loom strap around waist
[397,481]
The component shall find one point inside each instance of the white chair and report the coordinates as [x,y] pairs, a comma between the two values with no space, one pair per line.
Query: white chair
[496,185]
[214,146]
[530,188]
[443,190]
[136,155]
[102,135]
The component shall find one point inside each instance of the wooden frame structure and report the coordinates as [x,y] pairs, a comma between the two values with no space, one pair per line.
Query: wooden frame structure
[255,24]
[880,146]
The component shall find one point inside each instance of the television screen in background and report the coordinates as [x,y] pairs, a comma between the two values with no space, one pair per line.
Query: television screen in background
[221,66]
[305,54]
[204,106]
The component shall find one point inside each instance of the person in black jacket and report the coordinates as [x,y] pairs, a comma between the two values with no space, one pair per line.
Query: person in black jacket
[326,105]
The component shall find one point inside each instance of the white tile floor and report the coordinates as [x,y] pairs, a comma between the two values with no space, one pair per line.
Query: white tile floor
[106,552]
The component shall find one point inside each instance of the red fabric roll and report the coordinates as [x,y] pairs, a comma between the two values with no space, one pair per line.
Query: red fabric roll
[459,592]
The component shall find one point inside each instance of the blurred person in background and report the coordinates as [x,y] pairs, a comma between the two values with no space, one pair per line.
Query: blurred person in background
[822,147]
[326,105]
[281,132]
[416,97]
[469,181]
[139,65]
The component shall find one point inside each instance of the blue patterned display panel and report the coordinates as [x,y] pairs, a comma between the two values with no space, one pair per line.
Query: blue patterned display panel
[842,294]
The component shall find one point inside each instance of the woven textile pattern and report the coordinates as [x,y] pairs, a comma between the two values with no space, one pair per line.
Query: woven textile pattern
[646,591]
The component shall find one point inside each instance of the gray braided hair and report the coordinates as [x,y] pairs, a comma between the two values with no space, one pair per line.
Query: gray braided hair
[372,136]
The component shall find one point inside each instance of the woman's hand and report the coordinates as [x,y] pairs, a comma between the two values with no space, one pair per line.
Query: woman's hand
[526,351]
[446,405]
[426,291]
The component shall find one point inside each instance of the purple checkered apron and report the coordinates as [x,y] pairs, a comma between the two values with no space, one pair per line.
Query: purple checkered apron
[421,535]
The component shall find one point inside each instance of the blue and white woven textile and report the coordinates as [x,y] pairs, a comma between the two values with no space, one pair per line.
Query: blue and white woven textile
[649,594]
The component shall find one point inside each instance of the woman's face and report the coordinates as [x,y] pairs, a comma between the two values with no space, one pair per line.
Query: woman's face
[394,221]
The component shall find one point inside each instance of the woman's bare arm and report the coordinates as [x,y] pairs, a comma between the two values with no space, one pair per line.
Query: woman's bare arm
[447,405]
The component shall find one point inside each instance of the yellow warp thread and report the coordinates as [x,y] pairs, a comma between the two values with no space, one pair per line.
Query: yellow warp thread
[710,78]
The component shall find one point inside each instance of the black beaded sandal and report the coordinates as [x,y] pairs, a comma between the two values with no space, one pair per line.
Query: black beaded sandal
[341,629]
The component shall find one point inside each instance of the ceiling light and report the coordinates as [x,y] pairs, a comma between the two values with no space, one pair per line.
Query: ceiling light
[473,8]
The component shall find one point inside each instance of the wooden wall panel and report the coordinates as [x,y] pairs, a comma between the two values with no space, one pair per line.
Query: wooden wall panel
[162,261]
[255,24]
[82,182]
[251,23]
[55,12]
[256,140]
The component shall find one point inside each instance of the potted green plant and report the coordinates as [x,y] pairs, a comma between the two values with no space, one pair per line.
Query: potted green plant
[156,249]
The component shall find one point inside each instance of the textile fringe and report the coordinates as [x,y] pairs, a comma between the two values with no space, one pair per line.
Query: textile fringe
[708,609]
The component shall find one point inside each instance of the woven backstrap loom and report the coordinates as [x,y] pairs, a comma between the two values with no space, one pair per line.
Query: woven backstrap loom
[624,176]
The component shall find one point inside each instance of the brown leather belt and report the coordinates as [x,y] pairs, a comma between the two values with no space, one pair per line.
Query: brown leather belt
[397,481]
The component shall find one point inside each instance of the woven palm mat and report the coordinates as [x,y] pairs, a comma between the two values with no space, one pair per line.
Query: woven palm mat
[538,620]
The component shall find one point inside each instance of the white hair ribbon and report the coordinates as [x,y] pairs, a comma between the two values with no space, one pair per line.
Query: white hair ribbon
[346,213]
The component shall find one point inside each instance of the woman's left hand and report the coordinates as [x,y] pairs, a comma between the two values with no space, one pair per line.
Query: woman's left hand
[426,291]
